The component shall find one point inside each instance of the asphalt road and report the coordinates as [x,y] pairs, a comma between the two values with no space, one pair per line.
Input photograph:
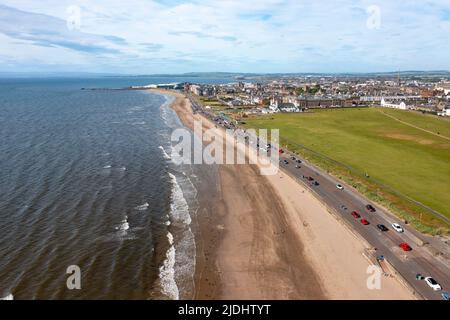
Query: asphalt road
[386,243]
[407,264]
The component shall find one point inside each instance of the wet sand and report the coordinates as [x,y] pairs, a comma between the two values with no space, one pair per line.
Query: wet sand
[266,237]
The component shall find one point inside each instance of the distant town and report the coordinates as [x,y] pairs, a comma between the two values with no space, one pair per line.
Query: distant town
[273,94]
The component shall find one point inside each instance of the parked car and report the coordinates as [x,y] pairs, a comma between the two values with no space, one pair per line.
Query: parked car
[365,222]
[397,227]
[382,227]
[445,295]
[297,166]
[370,208]
[315,183]
[293,158]
[310,178]
[433,284]
[405,246]
[340,187]
[356,214]
[281,151]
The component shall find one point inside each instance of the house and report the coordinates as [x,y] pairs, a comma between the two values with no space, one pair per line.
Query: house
[388,104]
[288,107]
[445,112]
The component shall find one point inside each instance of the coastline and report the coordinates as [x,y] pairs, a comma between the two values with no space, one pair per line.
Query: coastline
[267,237]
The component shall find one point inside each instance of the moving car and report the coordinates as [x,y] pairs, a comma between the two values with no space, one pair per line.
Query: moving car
[310,178]
[370,208]
[382,227]
[315,183]
[433,284]
[356,214]
[293,158]
[405,247]
[297,166]
[340,187]
[281,151]
[397,227]
[365,222]
[299,161]
[286,162]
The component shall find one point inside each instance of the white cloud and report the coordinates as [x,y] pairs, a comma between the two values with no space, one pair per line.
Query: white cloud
[144,36]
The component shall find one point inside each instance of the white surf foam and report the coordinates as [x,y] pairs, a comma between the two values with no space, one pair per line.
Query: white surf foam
[166,156]
[107,167]
[167,272]
[179,208]
[142,207]
[124,226]
[183,241]
[8,297]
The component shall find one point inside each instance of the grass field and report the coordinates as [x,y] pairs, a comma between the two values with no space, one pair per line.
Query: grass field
[399,153]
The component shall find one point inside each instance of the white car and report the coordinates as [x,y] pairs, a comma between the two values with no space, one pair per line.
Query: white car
[433,284]
[397,227]
[340,187]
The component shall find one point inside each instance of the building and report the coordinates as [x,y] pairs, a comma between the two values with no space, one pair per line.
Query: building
[389,104]
[444,87]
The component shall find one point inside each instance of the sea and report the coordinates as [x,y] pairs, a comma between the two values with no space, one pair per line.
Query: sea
[91,204]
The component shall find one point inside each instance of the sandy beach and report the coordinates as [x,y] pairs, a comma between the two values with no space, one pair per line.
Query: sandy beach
[268,237]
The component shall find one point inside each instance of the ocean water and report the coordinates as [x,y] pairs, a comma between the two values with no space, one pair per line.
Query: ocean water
[86,179]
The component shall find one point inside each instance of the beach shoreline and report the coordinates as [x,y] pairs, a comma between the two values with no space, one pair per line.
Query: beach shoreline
[268,237]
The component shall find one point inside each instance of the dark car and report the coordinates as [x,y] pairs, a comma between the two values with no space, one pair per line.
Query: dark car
[293,158]
[370,208]
[310,178]
[382,227]
[356,214]
[286,162]
[299,161]
[315,183]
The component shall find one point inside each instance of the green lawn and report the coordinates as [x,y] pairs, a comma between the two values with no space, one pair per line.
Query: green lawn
[411,161]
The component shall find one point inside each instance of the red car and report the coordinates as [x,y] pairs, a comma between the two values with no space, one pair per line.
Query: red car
[365,222]
[356,214]
[405,246]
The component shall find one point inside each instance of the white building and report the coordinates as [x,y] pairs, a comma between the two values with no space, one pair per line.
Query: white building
[401,105]
[444,113]
[443,87]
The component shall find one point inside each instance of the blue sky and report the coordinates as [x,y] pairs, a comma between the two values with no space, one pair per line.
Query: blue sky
[175,36]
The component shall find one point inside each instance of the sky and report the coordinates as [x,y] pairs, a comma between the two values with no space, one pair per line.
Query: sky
[264,36]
